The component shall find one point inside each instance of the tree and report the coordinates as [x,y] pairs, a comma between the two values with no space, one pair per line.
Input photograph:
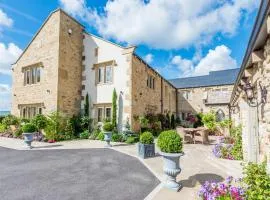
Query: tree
[178,121]
[86,106]
[168,124]
[114,108]
[172,121]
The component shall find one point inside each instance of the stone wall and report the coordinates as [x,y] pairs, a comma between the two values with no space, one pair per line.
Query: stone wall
[161,99]
[260,77]
[196,102]
[43,49]
[70,65]
[60,55]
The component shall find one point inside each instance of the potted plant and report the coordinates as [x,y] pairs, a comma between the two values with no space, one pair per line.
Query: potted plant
[28,131]
[171,145]
[146,146]
[107,130]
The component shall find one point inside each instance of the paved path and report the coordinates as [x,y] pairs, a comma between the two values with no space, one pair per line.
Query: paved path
[198,164]
[97,174]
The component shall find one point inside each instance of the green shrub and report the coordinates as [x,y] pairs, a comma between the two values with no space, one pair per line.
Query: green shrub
[117,137]
[132,140]
[3,128]
[18,132]
[84,135]
[40,121]
[108,127]
[29,128]
[69,132]
[56,125]
[10,120]
[257,181]
[209,120]
[100,136]
[178,121]
[143,122]
[237,150]
[24,120]
[86,123]
[147,138]
[170,142]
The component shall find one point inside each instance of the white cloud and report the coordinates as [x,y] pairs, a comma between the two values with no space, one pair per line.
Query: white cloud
[8,55]
[5,97]
[5,20]
[164,24]
[216,59]
[149,58]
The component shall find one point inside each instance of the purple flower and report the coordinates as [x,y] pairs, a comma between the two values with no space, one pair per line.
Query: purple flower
[229,179]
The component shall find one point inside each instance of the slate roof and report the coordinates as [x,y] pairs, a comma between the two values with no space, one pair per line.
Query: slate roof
[215,78]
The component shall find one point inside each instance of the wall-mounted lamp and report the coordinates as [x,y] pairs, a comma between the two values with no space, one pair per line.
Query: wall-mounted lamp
[249,91]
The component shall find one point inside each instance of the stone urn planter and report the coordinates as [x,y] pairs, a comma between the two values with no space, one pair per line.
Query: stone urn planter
[170,144]
[28,132]
[146,146]
[107,130]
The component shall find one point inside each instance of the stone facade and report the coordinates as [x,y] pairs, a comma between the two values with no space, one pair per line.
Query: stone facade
[256,146]
[196,100]
[51,49]
[145,99]
[43,49]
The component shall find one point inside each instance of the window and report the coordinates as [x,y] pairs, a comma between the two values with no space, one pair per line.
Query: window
[31,75]
[104,112]
[100,114]
[30,111]
[100,74]
[108,75]
[108,113]
[150,82]
[105,74]
[187,95]
[220,116]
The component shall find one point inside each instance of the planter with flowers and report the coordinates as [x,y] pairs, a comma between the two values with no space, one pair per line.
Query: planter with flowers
[107,130]
[28,131]
[146,146]
[171,146]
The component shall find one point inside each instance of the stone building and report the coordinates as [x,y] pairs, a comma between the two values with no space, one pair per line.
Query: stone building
[63,63]
[205,93]
[250,100]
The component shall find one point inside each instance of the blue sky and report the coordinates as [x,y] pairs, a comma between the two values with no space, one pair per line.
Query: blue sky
[179,38]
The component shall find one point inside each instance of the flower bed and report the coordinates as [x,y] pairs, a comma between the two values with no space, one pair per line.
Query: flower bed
[230,147]
[211,190]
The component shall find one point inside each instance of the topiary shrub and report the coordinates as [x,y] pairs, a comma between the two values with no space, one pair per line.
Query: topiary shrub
[100,136]
[84,135]
[108,127]
[170,142]
[147,138]
[29,128]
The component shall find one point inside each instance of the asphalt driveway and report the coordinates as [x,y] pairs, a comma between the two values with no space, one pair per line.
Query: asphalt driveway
[97,174]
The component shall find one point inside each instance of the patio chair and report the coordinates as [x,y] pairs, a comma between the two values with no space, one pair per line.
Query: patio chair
[203,134]
[183,134]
